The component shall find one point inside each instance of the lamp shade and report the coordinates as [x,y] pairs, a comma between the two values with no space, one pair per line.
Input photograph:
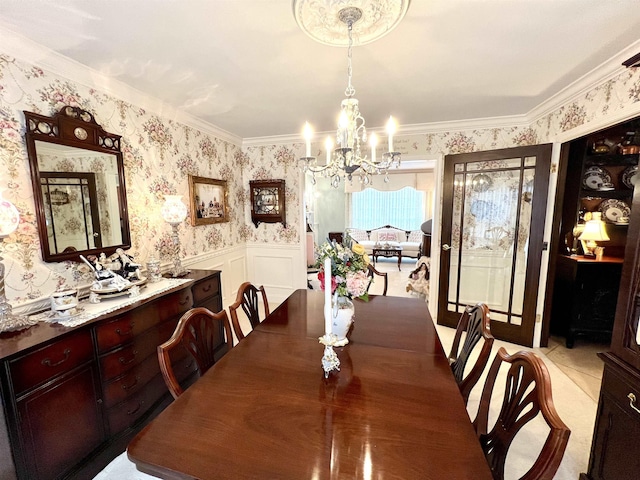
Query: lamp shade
[174,211]
[594,229]
[9,218]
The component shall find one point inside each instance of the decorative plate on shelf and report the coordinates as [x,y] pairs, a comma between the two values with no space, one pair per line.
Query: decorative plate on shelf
[595,177]
[629,176]
[612,210]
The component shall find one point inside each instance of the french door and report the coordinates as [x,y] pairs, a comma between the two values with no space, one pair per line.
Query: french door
[494,208]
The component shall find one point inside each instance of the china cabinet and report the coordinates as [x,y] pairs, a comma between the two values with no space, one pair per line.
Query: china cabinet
[601,171]
[615,450]
[73,397]
[268,202]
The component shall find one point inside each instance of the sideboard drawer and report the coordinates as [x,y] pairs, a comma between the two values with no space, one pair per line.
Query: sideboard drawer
[206,289]
[56,358]
[122,360]
[127,326]
[125,414]
[119,389]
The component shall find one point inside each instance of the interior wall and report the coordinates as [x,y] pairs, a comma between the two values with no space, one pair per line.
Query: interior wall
[159,155]
[329,209]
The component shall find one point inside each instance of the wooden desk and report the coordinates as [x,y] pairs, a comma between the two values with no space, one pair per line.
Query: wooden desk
[265,410]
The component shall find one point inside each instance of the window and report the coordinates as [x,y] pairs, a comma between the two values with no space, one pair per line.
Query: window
[404,209]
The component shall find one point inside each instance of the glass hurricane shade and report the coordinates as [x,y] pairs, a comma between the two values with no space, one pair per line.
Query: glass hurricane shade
[173,211]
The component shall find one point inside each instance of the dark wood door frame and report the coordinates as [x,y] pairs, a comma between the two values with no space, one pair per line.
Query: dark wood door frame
[524,334]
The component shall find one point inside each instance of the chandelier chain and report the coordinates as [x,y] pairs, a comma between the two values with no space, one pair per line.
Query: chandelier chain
[350,91]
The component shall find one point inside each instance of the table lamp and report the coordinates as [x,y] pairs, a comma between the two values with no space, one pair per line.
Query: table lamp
[594,231]
[9,220]
[174,211]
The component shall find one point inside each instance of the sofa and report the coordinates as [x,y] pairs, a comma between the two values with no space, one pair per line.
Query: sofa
[409,240]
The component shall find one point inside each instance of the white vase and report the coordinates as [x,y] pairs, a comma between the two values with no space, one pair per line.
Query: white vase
[341,319]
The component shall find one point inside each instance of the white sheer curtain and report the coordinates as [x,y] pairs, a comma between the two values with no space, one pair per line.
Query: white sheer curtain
[404,208]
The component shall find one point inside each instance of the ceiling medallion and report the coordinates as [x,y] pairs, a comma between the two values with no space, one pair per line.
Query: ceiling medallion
[322,21]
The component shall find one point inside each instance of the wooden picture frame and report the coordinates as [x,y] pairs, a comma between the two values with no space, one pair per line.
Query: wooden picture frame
[208,201]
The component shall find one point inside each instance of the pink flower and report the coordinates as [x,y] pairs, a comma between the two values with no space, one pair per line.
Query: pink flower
[334,284]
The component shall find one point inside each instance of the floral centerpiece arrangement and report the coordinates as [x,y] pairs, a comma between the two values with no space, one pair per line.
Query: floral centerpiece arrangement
[348,268]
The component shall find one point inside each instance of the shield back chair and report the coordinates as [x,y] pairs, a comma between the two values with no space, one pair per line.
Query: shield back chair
[198,331]
[527,394]
[247,298]
[475,322]
[371,271]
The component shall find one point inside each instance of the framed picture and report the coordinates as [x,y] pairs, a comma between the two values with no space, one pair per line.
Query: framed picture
[208,201]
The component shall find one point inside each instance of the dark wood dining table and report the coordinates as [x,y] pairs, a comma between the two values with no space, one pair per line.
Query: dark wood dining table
[266,411]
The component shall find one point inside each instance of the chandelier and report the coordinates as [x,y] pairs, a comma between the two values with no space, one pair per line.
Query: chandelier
[349,157]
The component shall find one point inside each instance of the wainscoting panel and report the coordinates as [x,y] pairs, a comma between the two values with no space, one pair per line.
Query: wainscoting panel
[280,269]
[233,266]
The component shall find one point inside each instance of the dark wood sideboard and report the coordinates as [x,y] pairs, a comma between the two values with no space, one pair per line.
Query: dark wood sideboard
[72,398]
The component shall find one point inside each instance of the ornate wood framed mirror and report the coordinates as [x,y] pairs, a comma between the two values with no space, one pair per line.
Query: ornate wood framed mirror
[77,173]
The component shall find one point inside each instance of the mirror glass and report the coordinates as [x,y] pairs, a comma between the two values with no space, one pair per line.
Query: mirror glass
[79,190]
[78,183]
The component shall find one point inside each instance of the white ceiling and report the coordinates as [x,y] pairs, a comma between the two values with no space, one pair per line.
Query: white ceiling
[246,67]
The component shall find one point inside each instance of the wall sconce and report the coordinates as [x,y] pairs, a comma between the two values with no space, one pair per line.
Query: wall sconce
[174,213]
[594,231]
[9,220]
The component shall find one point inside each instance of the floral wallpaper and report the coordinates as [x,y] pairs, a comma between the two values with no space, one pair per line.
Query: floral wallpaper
[159,154]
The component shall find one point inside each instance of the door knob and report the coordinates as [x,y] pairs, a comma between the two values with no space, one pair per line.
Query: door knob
[446,247]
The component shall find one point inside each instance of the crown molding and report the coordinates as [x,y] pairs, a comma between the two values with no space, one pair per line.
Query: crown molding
[413,129]
[602,73]
[28,51]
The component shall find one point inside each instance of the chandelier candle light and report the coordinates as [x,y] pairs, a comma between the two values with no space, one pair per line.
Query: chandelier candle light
[351,137]
[174,212]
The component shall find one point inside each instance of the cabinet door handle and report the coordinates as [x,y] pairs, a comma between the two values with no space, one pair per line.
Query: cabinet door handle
[48,363]
[124,333]
[124,361]
[207,288]
[632,401]
[131,412]
[135,382]
[185,301]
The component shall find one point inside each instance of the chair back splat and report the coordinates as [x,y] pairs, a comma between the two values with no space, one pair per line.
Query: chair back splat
[371,271]
[475,320]
[247,298]
[198,331]
[527,394]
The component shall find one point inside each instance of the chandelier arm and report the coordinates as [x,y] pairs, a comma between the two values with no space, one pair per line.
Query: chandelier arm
[351,135]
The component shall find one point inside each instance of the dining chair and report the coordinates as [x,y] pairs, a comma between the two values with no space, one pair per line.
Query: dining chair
[247,298]
[527,394]
[371,271]
[197,332]
[475,323]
